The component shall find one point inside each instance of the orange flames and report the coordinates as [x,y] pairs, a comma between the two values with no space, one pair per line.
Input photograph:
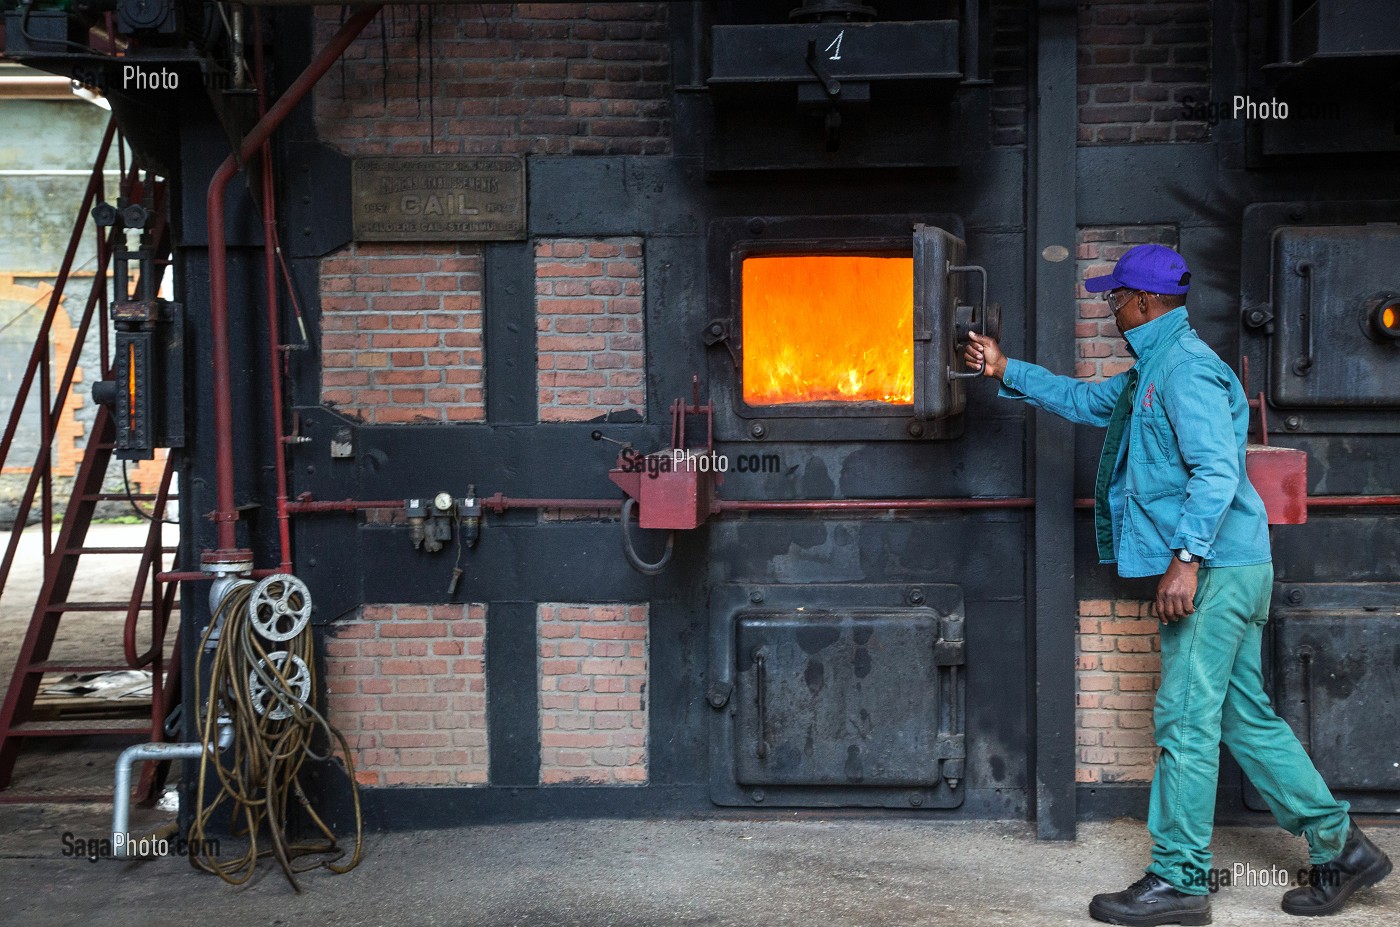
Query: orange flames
[827,328]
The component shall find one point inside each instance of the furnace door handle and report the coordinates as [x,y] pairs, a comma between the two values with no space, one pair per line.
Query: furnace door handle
[760,660]
[981,314]
[1303,364]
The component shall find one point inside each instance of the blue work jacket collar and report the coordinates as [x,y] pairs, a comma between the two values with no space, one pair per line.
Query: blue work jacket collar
[1149,337]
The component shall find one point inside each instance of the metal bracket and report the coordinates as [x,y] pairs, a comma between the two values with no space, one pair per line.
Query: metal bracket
[719,331]
[830,84]
[1261,316]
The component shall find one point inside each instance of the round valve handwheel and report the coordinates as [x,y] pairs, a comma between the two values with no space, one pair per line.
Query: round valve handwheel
[266,700]
[280,607]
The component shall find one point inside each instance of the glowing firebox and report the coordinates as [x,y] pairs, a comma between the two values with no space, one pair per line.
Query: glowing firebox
[828,328]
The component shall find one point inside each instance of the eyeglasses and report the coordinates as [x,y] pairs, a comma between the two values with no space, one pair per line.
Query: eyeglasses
[1113,304]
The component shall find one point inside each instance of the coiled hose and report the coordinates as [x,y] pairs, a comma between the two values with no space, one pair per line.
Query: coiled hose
[275,732]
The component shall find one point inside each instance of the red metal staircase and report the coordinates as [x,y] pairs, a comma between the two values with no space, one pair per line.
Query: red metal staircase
[19,720]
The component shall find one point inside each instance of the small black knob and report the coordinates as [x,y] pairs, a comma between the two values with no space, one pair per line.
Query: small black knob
[104,214]
[135,216]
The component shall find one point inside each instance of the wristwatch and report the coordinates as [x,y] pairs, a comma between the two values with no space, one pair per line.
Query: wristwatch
[1185,556]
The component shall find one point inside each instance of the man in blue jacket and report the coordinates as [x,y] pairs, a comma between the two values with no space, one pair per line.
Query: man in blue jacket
[1172,500]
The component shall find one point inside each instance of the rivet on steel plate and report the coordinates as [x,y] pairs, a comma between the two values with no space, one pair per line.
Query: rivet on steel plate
[756,596]
[1294,596]
[916,798]
[757,795]
[915,597]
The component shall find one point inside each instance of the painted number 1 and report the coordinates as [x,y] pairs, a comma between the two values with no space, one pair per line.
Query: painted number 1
[835,46]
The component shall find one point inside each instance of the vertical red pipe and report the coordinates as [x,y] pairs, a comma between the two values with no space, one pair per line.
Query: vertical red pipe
[274,347]
[226,515]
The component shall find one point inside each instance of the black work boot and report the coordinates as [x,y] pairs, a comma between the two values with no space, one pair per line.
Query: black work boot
[1330,884]
[1149,901]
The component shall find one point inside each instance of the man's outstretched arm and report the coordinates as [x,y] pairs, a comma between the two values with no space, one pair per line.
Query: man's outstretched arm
[1088,403]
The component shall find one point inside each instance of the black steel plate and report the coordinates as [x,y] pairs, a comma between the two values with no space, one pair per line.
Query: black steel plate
[1336,656]
[847,698]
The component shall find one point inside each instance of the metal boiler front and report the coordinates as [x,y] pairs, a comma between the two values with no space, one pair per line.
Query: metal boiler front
[827,695]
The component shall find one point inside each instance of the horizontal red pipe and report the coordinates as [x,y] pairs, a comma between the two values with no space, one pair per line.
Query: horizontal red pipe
[307,507]
[499,503]
[194,576]
[1314,502]
[861,505]
[1350,501]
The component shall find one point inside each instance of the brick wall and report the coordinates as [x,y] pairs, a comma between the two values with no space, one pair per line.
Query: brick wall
[1008,72]
[401,333]
[1118,669]
[1101,350]
[593,685]
[407,687]
[1138,62]
[588,305]
[542,78]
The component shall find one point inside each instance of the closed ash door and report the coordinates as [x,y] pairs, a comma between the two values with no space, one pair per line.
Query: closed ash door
[848,698]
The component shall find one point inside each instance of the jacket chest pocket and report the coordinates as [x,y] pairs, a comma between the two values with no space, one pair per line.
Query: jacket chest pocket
[1152,437]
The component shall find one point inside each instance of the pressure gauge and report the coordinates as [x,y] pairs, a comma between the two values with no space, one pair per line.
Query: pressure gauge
[443,502]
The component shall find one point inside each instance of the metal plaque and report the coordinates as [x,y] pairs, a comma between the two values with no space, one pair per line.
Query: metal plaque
[439,198]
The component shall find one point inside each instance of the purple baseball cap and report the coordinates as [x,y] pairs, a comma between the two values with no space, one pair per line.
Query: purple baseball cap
[1153,268]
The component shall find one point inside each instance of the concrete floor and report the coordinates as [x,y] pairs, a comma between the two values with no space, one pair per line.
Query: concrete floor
[646,873]
[781,869]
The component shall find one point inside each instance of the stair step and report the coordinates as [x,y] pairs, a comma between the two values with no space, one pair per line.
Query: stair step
[37,795]
[96,607]
[67,669]
[123,497]
[104,728]
[74,551]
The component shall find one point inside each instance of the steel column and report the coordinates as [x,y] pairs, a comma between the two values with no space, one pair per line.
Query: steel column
[1053,138]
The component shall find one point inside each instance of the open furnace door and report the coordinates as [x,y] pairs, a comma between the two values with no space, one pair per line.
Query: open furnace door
[940,307]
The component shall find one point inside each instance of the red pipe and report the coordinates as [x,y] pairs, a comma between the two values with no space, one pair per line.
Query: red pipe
[499,503]
[1313,502]
[1350,501]
[863,505]
[190,576]
[226,514]
[274,347]
[304,506]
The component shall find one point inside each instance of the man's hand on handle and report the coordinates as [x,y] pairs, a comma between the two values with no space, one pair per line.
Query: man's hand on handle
[985,353]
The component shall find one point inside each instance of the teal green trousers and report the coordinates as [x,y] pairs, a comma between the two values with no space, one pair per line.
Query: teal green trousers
[1212,692]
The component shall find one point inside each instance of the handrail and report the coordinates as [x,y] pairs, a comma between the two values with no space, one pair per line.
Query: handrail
[42,470]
